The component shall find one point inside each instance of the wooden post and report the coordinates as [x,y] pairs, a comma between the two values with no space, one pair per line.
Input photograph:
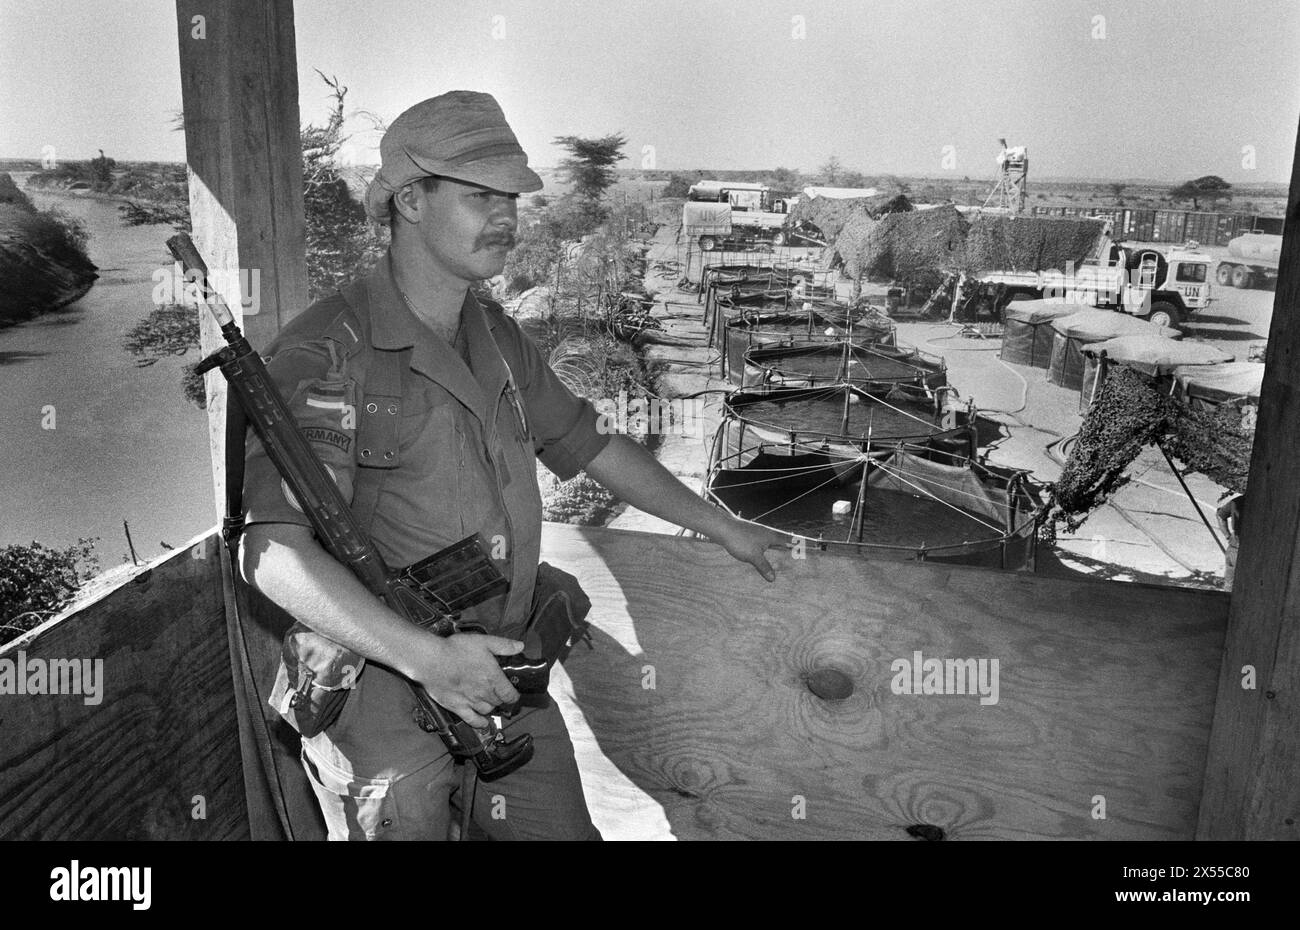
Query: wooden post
[243,147]
[1251,786]
[239,87]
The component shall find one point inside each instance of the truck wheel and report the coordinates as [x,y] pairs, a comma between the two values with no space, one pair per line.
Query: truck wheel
[708,243]
[1165,314]
[1224,274]
[779,238]
[1240,276]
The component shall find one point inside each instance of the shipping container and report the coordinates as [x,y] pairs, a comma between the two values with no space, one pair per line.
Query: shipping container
[1140,226]
[1116,217]
[1272,225]
[1201,228]
[1225,229]
[1169,226]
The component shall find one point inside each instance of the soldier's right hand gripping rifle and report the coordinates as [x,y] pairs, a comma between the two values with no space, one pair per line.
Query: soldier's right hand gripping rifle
[430,593]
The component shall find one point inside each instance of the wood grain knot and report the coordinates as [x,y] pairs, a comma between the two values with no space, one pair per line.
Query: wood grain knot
[925,831]
[830,684]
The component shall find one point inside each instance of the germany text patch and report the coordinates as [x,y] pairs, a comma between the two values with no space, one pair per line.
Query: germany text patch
[331,436]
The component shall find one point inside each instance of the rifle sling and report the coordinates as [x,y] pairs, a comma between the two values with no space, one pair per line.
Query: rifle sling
[255,735]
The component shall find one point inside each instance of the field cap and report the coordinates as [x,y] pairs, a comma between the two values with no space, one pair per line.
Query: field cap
[461,134]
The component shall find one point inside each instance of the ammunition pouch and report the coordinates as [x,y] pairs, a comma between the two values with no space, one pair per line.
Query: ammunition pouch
[316,673]
[557,621]
[313,680]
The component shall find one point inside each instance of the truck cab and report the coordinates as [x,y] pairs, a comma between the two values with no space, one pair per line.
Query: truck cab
[1165,288]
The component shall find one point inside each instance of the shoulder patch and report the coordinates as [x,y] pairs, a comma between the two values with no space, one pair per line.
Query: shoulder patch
[327,321]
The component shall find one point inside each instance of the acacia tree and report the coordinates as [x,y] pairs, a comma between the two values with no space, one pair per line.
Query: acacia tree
[786,180]
[101,170]
[831,171]
[679,185]
[1211,187]
[590,165]
[590,169]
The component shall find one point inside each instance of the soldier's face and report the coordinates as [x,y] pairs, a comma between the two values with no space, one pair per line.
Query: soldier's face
[467,230]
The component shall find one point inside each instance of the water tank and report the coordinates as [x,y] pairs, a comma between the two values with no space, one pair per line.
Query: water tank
[1256,247]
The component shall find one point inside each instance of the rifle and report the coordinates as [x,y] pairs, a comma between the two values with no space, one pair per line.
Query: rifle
[430,594]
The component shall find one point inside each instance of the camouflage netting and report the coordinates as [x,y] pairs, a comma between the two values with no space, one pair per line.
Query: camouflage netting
[829,214]
[925,245]
[1130,413]
[920,246]
[997,242]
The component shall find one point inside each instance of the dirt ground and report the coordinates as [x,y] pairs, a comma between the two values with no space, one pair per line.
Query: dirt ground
[1150,531]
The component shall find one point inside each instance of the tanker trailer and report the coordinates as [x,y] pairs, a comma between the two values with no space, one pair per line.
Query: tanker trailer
[1252,260]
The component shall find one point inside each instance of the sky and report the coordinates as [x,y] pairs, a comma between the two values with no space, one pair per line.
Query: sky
[1159,89]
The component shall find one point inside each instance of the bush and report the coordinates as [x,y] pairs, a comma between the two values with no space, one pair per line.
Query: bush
[574,217]
[36,582]
[101,171]
[342,243]
[679,185]
[73,231]
[532,259]
[193,386]
[160,195]
[43,263]
[62,174]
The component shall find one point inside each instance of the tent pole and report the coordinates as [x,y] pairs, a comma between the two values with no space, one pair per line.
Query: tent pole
[862,500]
[1187,491]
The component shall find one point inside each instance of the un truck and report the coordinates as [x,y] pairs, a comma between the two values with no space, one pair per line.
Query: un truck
[1252,261]
[733,214]
[1163,287]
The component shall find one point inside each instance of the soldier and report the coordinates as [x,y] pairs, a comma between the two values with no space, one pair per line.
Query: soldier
[1230,514]
[448,451]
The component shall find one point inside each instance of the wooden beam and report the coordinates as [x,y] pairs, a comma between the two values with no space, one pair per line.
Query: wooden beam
[694,718]
[1252,777]
[239,84]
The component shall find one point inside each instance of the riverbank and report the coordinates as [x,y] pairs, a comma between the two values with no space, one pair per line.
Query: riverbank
[92,439]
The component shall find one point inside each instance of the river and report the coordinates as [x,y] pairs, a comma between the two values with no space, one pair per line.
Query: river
[125,443]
